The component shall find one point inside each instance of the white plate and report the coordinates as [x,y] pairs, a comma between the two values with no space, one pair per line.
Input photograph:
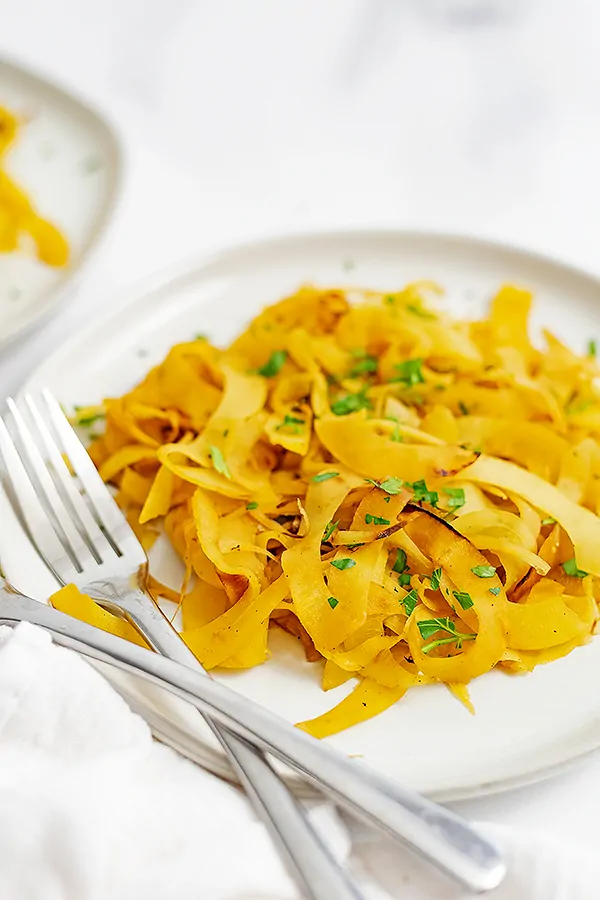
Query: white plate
[525,727]
[68,160]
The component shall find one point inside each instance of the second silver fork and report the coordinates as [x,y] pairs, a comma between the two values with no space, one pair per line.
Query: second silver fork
[90,544]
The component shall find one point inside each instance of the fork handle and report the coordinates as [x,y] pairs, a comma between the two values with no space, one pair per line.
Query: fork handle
[320,875]
[447,840]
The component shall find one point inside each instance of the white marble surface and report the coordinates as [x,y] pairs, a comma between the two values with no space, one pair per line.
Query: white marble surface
[240,116]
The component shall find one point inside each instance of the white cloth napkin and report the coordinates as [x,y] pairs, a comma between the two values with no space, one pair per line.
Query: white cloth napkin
[91,807]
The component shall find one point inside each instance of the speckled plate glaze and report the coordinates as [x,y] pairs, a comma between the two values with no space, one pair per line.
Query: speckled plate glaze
[525,727]
[69,161]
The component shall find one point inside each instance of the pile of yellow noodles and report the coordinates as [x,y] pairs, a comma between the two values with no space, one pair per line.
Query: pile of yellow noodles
[18,218]
[413,497]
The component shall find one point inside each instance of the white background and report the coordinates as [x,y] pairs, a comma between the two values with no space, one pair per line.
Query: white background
[240,116]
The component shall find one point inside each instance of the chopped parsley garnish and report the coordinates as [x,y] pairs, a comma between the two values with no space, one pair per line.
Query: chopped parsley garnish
[410,601]
[484,571]
[570,568]
[200,337]
[576,407]
[252,505]
[351,403]
[376,520]
[420,311]
[331,526]
[457,497]
[391,485]
[400,564]
[409,372]
[495,591]
[404,579]
[389,298]
[292,423]
[435,579]
[343,564]
[464,599]
[549,521]
[364,366]
[85,421]
[592,348]
[218,462]
[325,476]
[464,409]
[274,364]
[429,627]
[423,493]
[396,436]
[332,602]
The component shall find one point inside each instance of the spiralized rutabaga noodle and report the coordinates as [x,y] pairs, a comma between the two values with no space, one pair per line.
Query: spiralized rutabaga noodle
[414,497]
[18,218]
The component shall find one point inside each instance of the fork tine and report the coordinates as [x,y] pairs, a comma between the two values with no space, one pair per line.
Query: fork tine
[108,513]
[91,533]
[79,549]
[41,530]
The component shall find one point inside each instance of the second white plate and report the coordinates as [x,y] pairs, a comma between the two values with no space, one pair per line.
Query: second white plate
[525,727]
[68,160]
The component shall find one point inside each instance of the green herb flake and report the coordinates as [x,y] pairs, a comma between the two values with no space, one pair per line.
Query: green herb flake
[404,579]
[386,499]
[331,526]
[458,640]
[457,497]
[422,493]
[390,485]
[365,366]
[495,591]
[332,602]
[85,416]
[429,627]
[218,462]
[409,373]
[200,337]
[435,579]
[410,601]
[389,298]
[351,403]
[292,424]
[576,407]
[464,599]
[570,568]
[87,421]
[324,476]
[343,564]
[274,364]
[484,571]
[420,311]
[549,521]
[376,520]
[252,505]
[400,564]
[395,436]
[592,348]
[464,409]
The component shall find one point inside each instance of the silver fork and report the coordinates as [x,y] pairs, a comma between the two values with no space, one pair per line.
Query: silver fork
[95,548]
[84,538]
